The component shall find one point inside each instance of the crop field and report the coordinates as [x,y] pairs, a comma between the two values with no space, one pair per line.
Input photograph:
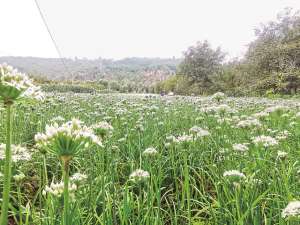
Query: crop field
[159,160]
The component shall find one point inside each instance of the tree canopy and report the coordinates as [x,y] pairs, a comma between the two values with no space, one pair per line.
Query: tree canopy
[201,61]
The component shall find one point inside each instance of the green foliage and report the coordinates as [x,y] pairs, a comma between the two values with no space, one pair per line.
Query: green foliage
[274,57]
[178,84]
[271,64]
[186,183]
[201,61]
[67,88]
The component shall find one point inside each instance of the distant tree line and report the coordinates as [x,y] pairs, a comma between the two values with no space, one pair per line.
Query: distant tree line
[270,66]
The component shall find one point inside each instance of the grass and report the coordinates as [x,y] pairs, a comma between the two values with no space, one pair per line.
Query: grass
[186,184]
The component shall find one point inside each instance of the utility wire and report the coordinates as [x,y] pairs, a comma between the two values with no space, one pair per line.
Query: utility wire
[52,38]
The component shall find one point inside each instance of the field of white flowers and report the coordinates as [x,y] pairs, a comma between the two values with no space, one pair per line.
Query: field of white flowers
[149,159]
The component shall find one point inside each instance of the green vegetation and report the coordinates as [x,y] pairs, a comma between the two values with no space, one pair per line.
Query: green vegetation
[208,161]
[90,158]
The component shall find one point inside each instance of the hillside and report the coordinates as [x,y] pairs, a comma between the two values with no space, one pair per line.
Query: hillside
[145,71]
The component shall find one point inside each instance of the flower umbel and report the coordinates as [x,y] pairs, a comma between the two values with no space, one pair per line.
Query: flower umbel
[265,141]
[57,189]
[14,85]
[234,174]
[67,139]
[150,151]
[103,129]
[19,153]
[291,210]
[139,175]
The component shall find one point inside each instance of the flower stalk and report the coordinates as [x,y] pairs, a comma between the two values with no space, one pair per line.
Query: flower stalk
[7,165]
[45,170]
[20,205]
[65,171]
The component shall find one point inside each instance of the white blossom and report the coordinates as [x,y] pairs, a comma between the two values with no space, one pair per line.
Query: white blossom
[57,189]
[199,131]
[72,136]
[240,147]
[233,173]
[19,177]
[139,175]
[250,122]
[281,155]
[78,177]
[19,153]
[265,141]
[150,151]
[14,84]
[291,210]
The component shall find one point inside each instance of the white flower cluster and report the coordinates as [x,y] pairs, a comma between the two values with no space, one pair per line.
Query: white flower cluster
[218,96]
[103,128]
[57,189]
[57,119]
[261,114]
[19,153]
[240,147]
[291,210]
[14,84]
[222,109]
[34,92]
[234,173]
[150,151]
[72,129]
[282,135]
[19,177]
[253,181]
[78,178]
[199,131]
[281,155]
[250,122]
[139,175]
[184,138]
[265,141]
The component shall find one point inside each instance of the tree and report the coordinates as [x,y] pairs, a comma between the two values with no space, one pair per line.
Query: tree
[275,54]
[233,78]
[201,61]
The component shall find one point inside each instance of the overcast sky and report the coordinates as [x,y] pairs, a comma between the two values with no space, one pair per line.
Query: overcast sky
[127,28]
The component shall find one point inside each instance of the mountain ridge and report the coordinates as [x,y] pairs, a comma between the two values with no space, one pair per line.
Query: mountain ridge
[146,71]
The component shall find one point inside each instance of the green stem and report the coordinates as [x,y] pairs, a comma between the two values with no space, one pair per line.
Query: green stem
[7,167]
[20,205]
[45,170]
[187,185]
[66,190]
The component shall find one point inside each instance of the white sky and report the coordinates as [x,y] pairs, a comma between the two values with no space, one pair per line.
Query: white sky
[127,28]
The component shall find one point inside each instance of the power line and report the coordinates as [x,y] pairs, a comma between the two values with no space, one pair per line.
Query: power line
[52,38]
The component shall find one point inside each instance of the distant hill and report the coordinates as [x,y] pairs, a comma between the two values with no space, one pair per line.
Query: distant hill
[138,70]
